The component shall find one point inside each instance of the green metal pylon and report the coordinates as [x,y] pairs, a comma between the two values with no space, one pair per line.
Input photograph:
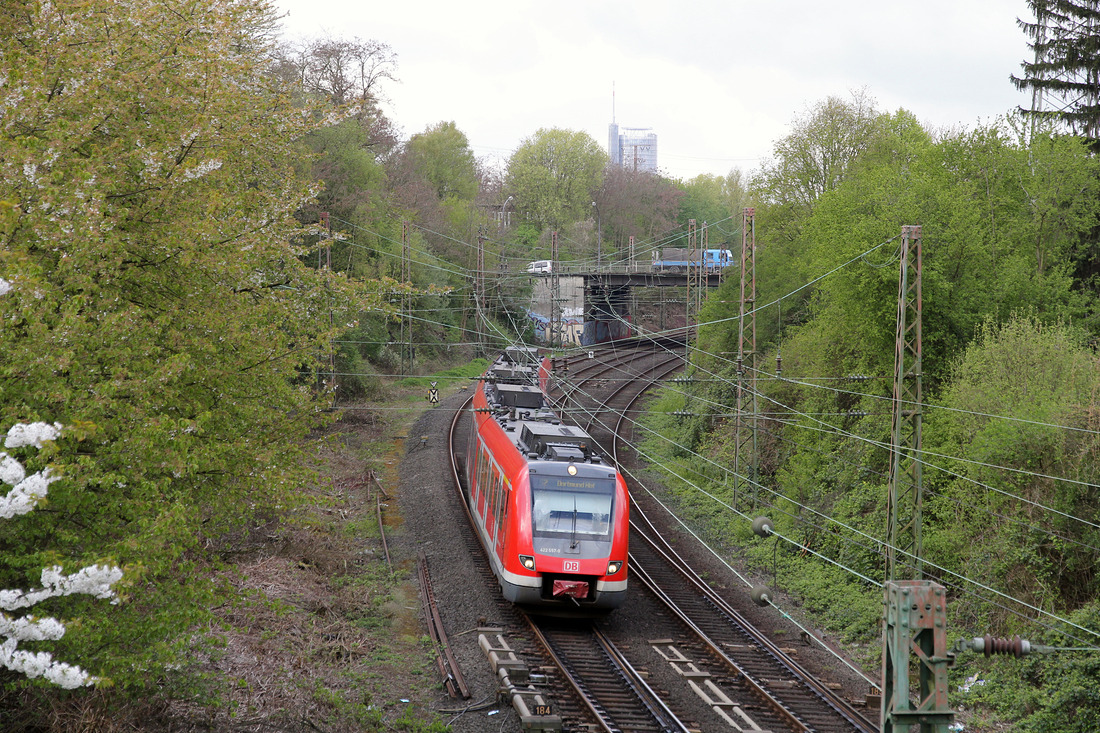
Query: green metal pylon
[914,629]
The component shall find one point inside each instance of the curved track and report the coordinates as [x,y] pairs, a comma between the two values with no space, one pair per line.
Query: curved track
[795,699]
[749,682]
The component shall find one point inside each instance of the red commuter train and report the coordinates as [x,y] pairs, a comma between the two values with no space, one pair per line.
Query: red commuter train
[551,513]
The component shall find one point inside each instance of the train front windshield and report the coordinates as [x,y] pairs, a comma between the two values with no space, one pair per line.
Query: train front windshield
[571,507]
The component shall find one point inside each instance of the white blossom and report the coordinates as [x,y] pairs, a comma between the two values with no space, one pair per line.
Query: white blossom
[29,628]
[41,664]
[95,580]
[25,494]
[202,169]
[22,434]
[11,470]
[5,286]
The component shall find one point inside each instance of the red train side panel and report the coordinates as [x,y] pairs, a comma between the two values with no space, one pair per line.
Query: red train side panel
[553,516]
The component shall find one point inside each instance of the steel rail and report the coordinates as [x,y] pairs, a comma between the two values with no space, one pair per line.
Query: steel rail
[448,666]
[653,377]
[640,522]
[382,532]
[770,700]
[592,369]
[371,477]
[646,697]
[667,717]
[663,718]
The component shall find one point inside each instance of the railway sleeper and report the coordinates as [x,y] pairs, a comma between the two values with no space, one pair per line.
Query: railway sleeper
[701,682]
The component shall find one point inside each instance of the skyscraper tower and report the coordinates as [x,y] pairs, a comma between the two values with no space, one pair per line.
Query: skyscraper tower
[633,148]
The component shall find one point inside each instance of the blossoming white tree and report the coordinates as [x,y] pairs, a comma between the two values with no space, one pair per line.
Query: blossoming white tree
[159,305]
[95,580]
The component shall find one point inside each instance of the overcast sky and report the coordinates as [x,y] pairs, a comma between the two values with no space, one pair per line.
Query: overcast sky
[719,82]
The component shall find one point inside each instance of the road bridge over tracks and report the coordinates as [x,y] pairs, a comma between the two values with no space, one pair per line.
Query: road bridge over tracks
[603,304]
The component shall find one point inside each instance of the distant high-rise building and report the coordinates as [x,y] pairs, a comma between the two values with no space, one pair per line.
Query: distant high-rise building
[633,148]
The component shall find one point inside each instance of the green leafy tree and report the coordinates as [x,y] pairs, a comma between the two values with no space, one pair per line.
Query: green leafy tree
[346,159]
[706,200]
[439,169]
[442,155]
[554,175]
[157,307]
[1036,379]
[999,221]
[813,159]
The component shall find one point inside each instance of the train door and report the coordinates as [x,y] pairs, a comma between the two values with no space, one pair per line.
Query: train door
[473,442]
[492,512]
[502,515]
[483,467]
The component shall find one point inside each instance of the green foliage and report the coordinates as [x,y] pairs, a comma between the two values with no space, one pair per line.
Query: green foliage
[987,214]
[813,160]
[158,309]
[344,159]
[442,155]
[707,199]
[555,174]
[467,371]
[1008,351]
[1036,378]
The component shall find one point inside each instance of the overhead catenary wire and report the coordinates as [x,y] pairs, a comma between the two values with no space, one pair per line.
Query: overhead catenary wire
[502,335]
[994,416]
[944,570]
[890,399]
[876,542]
[889,447]
[705,544]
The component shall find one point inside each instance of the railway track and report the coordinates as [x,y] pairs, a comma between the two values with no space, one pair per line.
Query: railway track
[617,695]
[744,680]
[596,687]
[787,696]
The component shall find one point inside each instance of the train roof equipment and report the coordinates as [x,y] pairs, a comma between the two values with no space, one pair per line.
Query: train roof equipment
[550,441]
[528,355]
[515,396]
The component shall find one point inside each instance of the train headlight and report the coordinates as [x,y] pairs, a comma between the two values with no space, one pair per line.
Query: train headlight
[527,561]
[571,469]
[614,566]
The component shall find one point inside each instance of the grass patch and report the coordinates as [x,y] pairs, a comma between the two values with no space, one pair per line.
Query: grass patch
[448,377]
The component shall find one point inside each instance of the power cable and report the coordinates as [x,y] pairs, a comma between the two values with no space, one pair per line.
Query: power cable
[875,541]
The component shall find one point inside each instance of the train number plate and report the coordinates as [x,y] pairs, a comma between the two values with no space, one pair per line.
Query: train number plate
[542,710]
[571,566]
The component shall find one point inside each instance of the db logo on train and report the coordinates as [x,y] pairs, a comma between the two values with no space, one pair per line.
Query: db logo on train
[571,566]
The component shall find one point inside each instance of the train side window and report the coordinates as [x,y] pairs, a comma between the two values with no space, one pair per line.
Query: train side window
[489,504]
